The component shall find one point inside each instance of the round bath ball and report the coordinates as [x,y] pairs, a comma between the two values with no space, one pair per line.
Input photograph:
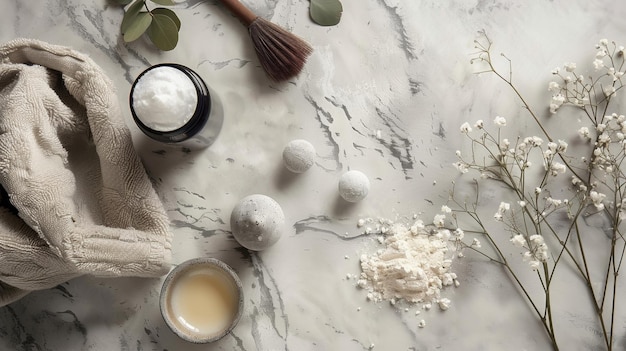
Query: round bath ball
[257,222]
[354,186]
[299,156]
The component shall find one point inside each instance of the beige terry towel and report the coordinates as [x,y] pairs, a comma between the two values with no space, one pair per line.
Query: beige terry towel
[84,202]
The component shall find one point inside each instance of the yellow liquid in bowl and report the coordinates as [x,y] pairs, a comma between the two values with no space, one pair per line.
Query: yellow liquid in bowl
[204,302]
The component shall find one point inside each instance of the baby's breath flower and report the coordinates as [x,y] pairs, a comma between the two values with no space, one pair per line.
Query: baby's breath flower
[536,239]
[461,167]
[504,145]
[500,121]
[465,128]
[584,132]
[556,168]
[534,265]
[518,240]
[554,87]
[562,146]
[443,234]
[597,151]
[570,66]
[556,102]
[597,199]
[598,63]
[601,127]
[504,206]
[521,203]
[446,209]
[604,42]
[604,138]
[527,256]
[439,220]
[479,124]
[553,202]
[476,243]
[608,91]
[537,190]
[537,141]
[459,233]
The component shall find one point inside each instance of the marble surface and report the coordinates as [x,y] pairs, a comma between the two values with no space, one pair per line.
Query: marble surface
[398,67]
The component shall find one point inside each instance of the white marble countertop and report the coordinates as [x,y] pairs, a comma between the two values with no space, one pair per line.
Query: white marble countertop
[398,67]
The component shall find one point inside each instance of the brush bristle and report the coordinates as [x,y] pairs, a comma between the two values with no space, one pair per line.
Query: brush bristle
[281,53]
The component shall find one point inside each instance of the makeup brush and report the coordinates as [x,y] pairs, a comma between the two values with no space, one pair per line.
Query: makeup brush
[281,53]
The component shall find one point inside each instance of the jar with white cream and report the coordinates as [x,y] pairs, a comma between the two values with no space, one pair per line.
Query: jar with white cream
[171,103]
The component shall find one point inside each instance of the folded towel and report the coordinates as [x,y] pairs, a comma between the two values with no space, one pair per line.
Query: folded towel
[80,199]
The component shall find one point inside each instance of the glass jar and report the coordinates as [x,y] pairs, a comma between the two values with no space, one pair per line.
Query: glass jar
[197,130]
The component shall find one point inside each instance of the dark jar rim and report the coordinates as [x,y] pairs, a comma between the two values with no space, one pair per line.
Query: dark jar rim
[197,121]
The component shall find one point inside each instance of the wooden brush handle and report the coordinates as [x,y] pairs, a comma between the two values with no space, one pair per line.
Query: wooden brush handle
[241,11]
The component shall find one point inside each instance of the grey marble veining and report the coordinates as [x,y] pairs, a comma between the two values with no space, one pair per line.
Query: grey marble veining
[384,92]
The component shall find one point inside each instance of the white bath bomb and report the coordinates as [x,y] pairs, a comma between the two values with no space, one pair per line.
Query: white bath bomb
[299,155]
[354,186]
[257,222]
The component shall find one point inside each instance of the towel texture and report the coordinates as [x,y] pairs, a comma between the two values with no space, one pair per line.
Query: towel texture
[80,199]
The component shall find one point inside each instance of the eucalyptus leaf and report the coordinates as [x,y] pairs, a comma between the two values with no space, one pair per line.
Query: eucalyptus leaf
[131,13]
[163,32]
[326,12]
[169,13]
[123,2]
[164,2]
[138,26]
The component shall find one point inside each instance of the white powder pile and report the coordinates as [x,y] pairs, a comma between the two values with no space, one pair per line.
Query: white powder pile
[414,265]
[164,98]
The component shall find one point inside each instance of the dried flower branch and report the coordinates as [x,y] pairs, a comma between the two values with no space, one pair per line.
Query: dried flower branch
[549,230]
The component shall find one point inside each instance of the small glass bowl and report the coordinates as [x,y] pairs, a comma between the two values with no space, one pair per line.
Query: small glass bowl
[185,269]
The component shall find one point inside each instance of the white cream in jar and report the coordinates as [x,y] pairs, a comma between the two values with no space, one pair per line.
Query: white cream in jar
[171,103]
[164,99]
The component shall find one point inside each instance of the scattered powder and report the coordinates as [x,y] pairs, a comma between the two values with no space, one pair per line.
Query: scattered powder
[164,98]
[444,303]
[413,266]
